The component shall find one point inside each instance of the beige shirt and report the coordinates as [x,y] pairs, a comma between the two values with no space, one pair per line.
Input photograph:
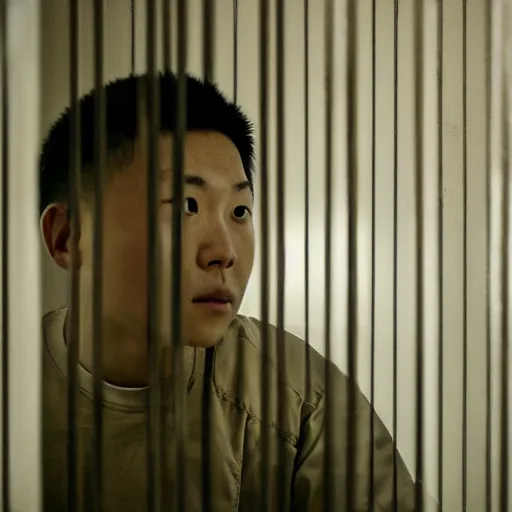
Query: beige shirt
[296,436]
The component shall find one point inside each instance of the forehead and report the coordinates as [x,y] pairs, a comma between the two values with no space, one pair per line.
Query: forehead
[204,152]
[210,156]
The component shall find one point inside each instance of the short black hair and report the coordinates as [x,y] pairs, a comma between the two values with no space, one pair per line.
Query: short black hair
[207,109]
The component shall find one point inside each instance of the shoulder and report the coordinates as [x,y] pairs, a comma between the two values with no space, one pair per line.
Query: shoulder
[285,353]
[250,351]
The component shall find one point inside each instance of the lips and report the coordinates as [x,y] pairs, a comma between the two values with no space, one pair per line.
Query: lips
[217,296]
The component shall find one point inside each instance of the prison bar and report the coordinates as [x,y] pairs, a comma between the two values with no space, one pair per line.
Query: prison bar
[419,11]
[465,255]
[281,248]
[506,83]
[155,424]
[167,494]
[395,252]
[240,349]
[352,205]
[371,488]
[209,40]
[98,253]
[74,490]
[329,77]
[132,35]
[263,97]
[307,346]
[6,499]
[488,262]
[208,73]
[152,122]
[440,252]
[179,398]
[235,51]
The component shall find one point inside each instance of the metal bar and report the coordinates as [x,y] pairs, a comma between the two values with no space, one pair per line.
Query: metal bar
[208,38]
[206,441]
[329,77]
[99,167]
[235,51]
[306,201]
[179,402]
[208,70]
[6,495]
[132,35]
[505,251]
[488,294]
[166,34]
[371,490]
[75,219]
[281,270]
[264,193]
[440,248]
[154,451]
[352,191]
[465,258]
[418,132]
[395,255]
[164,404]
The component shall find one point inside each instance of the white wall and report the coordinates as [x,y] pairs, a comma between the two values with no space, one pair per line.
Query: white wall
[23,301]
[55,95]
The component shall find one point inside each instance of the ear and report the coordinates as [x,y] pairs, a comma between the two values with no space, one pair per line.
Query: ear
[56,232]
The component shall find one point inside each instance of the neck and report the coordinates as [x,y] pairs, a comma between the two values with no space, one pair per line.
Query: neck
[124,357]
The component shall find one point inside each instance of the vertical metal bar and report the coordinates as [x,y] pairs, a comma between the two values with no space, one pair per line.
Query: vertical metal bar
[505,252]
[395,255]
[281,363]
[132,35]
[329,76]
[235,51]
[371,490]
[179,402]
[418,133]
[167,492]
[74,214]
[206,454]
[99,169]
[208,67]
[208,38]
[465,258]
[6,495]
[263,117]
[306,199]
[166,33]
[488,163]
[440,248]
[352,191]
[154,451]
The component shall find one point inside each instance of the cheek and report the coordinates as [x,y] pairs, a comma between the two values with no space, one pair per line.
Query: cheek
[245,252]
[125,259]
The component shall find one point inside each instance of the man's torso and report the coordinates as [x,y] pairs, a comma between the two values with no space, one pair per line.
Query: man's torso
[234,428]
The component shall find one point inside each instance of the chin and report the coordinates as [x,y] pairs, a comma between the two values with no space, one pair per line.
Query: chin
[205,336]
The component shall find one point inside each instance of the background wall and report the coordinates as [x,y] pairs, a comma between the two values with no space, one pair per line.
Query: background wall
[55,96]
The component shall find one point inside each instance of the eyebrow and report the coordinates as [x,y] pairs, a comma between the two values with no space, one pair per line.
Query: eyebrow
[199,182]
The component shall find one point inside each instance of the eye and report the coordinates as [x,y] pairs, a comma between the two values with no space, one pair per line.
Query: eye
[241,213]
[191,206]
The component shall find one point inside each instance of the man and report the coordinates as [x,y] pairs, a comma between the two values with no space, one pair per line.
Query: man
[217,258]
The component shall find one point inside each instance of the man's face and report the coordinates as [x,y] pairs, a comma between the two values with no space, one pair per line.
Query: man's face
[217,246]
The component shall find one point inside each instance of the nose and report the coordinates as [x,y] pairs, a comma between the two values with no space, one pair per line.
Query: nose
[217,249]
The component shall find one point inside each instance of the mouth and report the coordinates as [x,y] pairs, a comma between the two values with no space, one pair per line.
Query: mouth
[217,301]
